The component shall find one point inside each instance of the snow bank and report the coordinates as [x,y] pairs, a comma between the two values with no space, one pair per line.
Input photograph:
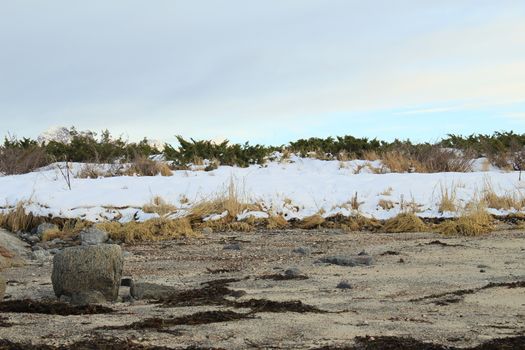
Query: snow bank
[296,189]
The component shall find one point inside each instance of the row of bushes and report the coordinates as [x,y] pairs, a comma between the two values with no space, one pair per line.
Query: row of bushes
[502,148]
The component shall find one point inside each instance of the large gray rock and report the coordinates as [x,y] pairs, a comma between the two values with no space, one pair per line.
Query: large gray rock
[93,236]
[88,268]
[3,284]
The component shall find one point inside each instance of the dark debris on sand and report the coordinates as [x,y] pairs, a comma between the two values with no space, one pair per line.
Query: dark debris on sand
[51,308]
[198,318]
[96,343]
[400,343]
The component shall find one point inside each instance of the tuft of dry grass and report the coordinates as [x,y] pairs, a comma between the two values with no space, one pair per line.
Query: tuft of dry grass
[143,166]
[229,201]
[160,206]
[360,223]
[311,222]
[448,199]
[398,162]
[385,204]
[355,203]
[276,222]
[150,230]
[409,206]
[66,229]
[94,171]
[505,202]
[474,221]
[387,192]
[371,156]
[405,222]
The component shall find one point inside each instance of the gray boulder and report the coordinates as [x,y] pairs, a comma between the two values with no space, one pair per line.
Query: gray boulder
[352,260]
[86,269]
[143,290]
[93,236]
[3,285]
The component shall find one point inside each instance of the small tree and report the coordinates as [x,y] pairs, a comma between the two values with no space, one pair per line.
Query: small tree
[518,158]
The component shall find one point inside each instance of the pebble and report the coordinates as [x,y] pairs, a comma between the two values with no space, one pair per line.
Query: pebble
[232,246]
[292,272]
[344,285]
[301,250]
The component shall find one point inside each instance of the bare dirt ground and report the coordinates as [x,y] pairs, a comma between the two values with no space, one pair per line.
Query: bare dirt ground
[457,292]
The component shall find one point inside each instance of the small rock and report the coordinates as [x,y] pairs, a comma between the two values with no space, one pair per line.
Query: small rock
[232,246]
[344,285]
[3,285]
[54,251]
[93,236]
[46,226]
[301,250]
[482,271]
[293,272]
[33,239]
[363,253]
[356,260]
[40,255]
[126,254]
[207,230]
[57,241]
[87,298]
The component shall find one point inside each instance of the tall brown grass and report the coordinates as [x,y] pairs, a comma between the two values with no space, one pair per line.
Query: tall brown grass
[475,220]
[405,222]
[150,230]
[18,219]
[159,206]
[506,202]
[230,201]
[448,201]
[143,166]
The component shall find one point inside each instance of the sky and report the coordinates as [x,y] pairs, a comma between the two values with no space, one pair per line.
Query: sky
[267,71]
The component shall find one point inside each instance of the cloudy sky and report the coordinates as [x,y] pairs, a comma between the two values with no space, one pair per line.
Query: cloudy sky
[266,71]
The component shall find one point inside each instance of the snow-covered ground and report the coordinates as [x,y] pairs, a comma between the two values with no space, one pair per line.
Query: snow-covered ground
[296,189]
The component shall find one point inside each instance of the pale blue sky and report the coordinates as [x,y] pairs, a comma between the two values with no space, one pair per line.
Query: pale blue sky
[266,71]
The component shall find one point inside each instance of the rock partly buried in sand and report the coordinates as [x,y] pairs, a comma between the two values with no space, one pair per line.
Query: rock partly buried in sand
[3,284]
[353,260]
[93,236]
[143,290]
[88,268]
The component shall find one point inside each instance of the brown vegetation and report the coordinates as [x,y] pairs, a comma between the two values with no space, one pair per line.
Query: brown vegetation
[405,222]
